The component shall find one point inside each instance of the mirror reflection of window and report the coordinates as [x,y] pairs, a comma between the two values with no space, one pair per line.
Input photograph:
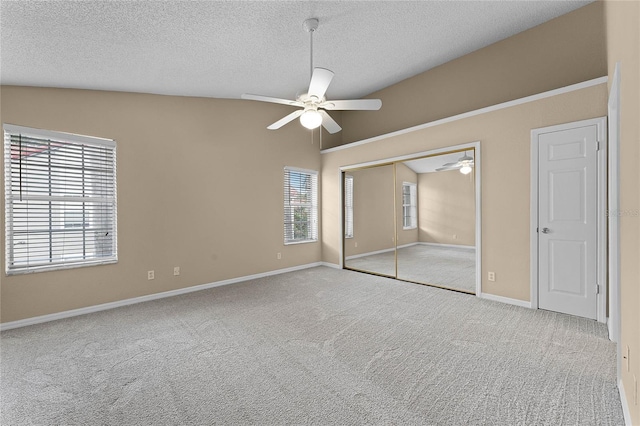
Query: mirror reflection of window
[409,205]
[348,206]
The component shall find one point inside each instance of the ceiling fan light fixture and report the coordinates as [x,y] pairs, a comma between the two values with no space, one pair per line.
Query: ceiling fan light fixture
[311,119]
[466,169]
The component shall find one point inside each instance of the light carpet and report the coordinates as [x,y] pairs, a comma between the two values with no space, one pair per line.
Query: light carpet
[318,346]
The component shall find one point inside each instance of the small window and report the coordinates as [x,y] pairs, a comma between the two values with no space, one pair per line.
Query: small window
[348,206]
[60,197]
[409,205]
[300,205]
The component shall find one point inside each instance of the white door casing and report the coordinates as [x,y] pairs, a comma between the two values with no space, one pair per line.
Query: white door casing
[566,212]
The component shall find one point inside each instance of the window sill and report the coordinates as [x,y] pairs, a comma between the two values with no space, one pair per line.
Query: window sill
[408,228]
[60,267]
[289,243]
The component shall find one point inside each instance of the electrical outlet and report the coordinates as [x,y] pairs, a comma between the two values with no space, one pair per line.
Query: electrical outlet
[176,270]
[492,276]
[356,244]
[455,236]
[279,256]
[151,275]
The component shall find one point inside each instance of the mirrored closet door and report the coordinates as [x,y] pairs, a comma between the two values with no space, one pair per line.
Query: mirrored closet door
[414,220]
[369,240]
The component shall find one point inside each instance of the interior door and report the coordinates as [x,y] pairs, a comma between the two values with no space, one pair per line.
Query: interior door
[567,228]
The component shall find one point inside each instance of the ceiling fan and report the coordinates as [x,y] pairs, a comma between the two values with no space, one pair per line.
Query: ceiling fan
[314,103]
[464,164]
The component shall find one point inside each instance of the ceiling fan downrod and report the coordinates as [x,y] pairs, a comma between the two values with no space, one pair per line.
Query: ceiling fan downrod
[311,25]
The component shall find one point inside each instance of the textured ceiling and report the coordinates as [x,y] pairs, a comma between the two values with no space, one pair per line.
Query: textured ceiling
[225,48]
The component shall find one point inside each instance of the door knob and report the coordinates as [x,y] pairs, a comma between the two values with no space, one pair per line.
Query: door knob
[546,230]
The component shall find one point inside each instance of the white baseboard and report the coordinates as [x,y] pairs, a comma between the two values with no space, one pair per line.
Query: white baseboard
[625,405]
[408,245]
[508,300]
[331,265]
[371,253]
[448,245]
[112,305]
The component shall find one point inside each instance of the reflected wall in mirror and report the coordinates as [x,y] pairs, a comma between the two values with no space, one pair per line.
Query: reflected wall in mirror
[436,239]
[369,243]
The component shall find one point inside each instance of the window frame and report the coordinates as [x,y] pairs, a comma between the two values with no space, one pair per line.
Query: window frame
[312,205]
[412,206]
[107,204]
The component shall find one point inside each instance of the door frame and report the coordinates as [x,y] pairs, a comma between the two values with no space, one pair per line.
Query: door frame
[613,322]
[601,213]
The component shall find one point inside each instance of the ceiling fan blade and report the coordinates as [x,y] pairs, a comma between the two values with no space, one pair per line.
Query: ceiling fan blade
[295,114]
[320,80]
[353,104]
[329,123]
[457,163]
[261,98]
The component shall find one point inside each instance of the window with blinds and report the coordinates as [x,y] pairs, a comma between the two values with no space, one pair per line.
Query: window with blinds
[409,205]
[348,206]
[60,200]
[300,205]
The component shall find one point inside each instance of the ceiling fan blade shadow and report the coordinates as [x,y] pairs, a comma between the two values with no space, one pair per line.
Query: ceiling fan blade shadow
[353,104]
[457,163]
[261,98]
[285,120]
[320,81]
[329,123]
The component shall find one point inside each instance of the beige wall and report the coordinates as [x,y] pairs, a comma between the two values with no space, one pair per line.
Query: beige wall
[504,136]
[623,45]
[447,208]
[404,174]
[373,222]
[200,186]
[566,50]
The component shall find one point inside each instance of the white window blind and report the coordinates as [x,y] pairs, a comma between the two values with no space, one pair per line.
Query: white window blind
[60,200]
[348,206]
[409,205]
[300,205]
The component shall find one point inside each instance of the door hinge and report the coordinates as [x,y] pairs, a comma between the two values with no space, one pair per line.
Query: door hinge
[597,288]
[598,146]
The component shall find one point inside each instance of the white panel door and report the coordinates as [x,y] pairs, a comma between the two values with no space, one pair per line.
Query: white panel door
[567,228]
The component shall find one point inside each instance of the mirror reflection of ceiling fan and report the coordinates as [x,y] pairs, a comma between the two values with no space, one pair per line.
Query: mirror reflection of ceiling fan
[464,164]
[314,103]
